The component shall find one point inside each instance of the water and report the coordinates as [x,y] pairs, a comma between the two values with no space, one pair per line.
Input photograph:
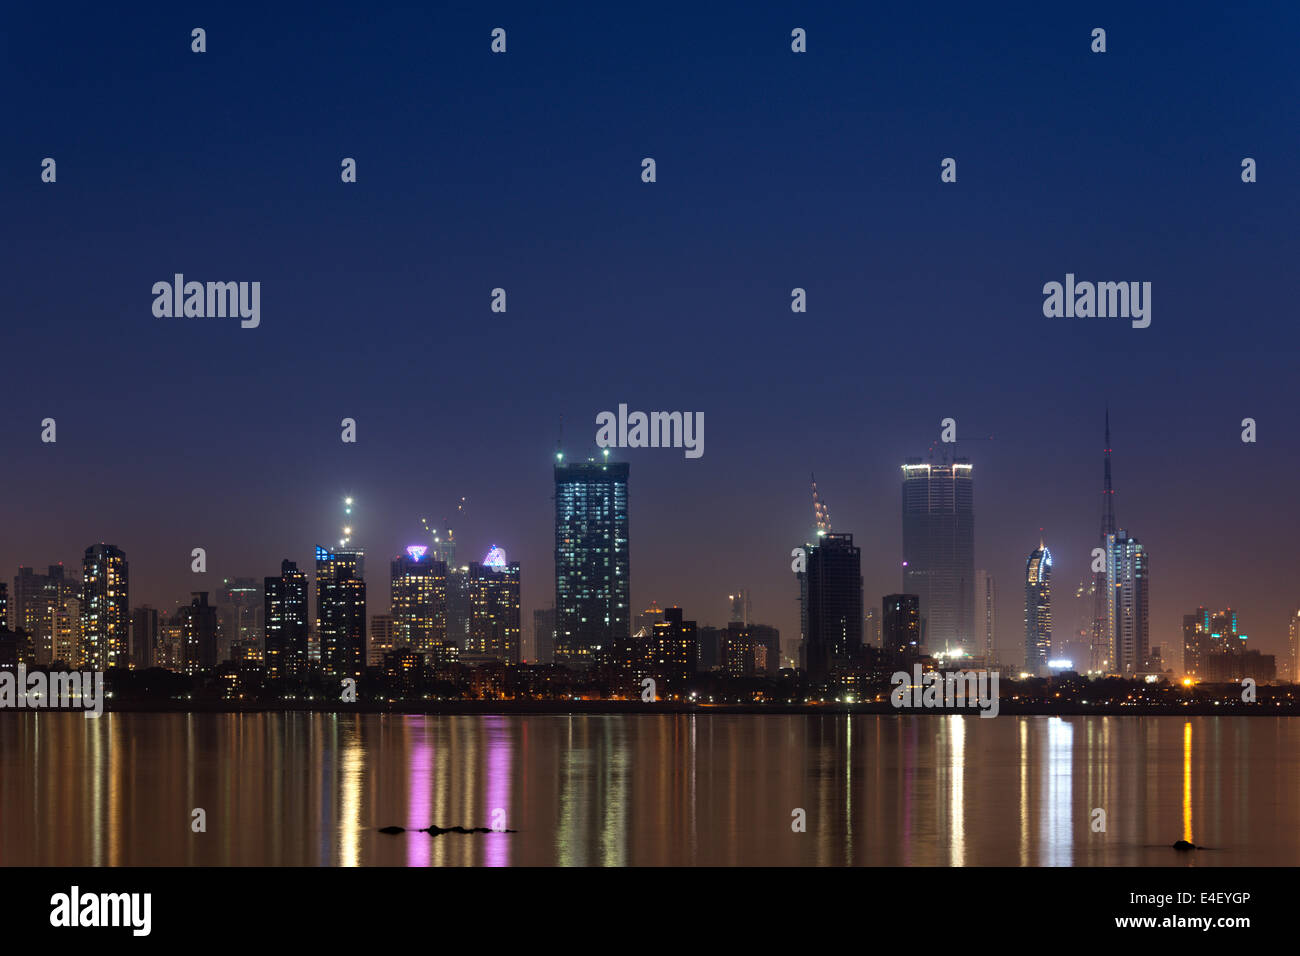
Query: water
[312,789]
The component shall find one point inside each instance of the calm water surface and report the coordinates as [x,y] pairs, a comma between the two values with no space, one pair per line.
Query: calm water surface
[312,789]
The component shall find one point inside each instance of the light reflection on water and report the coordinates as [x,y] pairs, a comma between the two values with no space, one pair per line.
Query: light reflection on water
[313,789]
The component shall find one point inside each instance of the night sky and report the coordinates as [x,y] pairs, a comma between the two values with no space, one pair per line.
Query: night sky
[775,170]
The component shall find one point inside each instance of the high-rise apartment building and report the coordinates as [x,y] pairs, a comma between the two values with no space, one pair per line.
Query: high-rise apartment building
[674,652]
[592,566]
[494,608]
[286,623]
[341,611]
[832,589]
[419,601]
[382,639]
[199,633]
[1128,573]
[105,608]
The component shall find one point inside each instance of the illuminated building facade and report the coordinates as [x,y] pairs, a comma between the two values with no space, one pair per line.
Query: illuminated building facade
[737,650]
[592,567]
[1128,573]
[1038,609]
[1293,647]
[285,616]
[939,551]
[494,608]
[382,642]
[37,600]
[341,611]
[675,650]
[419,593]
[105,608]
[68,643]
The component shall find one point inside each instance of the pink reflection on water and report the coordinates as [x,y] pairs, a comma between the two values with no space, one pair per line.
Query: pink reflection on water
[421,787]
[497,847]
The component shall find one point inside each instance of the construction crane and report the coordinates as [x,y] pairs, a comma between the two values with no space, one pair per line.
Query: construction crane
[444,548]
[821,513]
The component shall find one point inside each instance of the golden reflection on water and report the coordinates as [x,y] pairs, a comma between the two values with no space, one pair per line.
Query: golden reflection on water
[585,790]
[1187,782]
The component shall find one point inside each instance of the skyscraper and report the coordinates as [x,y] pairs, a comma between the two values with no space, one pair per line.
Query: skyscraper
[240,608]
[285,616]
[458,605]
[1208,634]
[592,568]
[986,600]
[742,607]
[901,625]
[674,650]
[419,593]
[105,608]
[1293,647]
[68,643]
[544,635]
[341,611]
[1128,582]
[199,633]
[871,632]
[494,607]
[37,599]
[1038,609]
[382,641]
[144,637]
[766,641]
[1102,656]
[833,595]
[939,550]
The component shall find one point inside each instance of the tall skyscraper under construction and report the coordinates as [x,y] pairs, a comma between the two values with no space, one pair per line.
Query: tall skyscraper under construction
[1121,642]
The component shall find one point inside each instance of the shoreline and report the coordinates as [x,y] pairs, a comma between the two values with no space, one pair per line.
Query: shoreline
[615,707]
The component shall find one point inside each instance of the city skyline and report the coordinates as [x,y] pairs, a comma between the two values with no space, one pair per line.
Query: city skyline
[1063,607]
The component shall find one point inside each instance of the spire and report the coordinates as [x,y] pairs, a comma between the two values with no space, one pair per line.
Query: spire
[1108,494]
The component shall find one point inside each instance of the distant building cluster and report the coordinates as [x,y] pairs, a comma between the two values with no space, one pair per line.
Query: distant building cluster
[456,629]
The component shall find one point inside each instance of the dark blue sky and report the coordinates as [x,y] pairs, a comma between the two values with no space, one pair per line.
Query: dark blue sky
[775,170]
